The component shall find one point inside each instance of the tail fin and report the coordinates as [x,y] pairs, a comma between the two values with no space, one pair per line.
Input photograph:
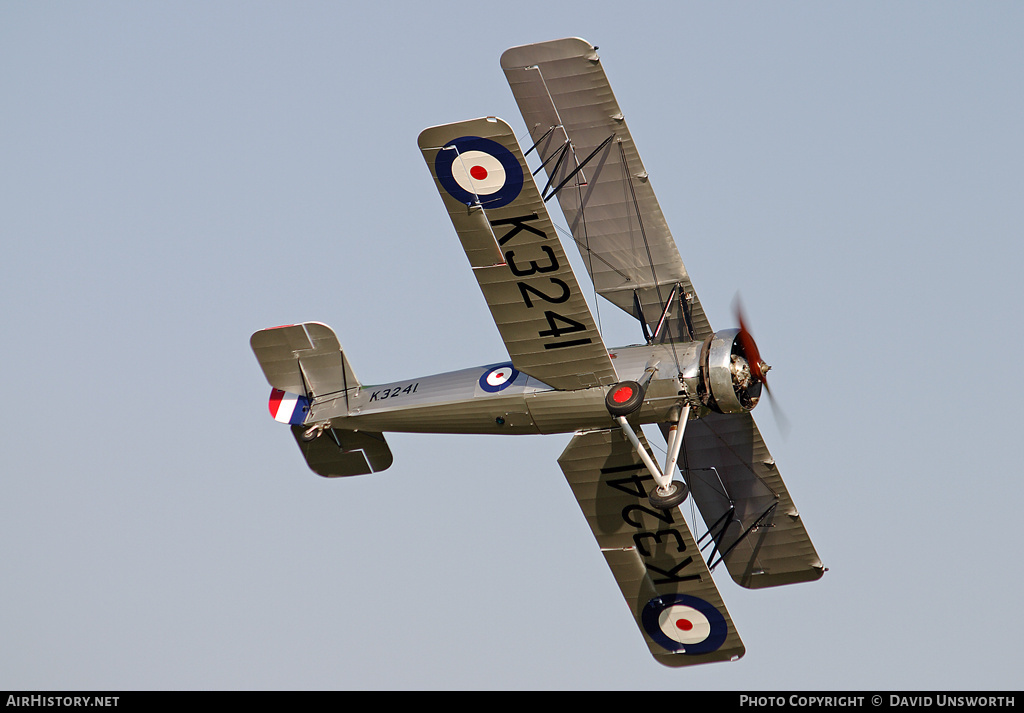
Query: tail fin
[304,364]
[304,359]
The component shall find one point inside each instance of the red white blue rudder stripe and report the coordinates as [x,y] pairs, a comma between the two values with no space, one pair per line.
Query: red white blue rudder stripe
[288,408]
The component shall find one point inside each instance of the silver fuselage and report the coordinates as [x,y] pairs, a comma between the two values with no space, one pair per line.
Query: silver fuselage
[456,402]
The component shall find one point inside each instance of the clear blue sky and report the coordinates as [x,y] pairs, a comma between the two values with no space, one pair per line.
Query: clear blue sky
[175,176]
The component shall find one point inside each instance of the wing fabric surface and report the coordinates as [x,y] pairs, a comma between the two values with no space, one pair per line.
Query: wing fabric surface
[572,115]
[651,553]
[746,506]
[519,263]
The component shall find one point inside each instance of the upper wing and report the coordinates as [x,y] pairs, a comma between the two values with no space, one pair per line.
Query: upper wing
[741,496]
[572,115]
[516,256]
[651,553]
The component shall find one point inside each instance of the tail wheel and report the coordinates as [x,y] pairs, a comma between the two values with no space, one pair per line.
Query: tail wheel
[624,398]
[312,433]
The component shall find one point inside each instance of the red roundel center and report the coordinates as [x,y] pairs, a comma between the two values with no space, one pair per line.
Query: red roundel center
[622,394]
[684,624]
[479,173]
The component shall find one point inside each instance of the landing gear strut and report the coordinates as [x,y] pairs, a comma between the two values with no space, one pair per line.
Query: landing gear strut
[667,493]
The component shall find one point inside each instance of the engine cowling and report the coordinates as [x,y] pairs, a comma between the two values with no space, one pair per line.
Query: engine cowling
[729,386]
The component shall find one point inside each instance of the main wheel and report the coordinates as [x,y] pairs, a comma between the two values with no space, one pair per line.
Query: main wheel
[672,496]
[624,398]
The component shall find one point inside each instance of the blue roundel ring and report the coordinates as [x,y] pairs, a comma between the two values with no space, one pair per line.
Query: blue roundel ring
[504,195]
[651,613]
[498,378]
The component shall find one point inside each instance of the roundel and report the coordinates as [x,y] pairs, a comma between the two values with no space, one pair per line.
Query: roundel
[471,168]
[685,624]
[498,378]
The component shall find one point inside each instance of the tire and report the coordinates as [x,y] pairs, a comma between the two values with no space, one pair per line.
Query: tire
[624,398]
[676,494]
[311,434]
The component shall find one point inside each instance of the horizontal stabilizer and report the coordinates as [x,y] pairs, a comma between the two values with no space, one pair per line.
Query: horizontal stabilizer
[338,453]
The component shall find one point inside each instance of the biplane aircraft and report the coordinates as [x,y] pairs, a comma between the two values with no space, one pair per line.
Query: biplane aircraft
[698,385]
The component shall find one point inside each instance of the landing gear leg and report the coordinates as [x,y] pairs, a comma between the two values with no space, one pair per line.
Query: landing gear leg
[665,498]
[675,439]
[667,493]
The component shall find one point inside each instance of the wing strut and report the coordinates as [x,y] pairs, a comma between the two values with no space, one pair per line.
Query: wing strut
[536,144]
[712,562]
[551,174]
[724,521]
[579,168]
[640,316]
[668,308]
[685,300]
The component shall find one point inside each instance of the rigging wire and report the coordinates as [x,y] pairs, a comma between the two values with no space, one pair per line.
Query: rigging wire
[585,245]
[590,253]
[630,195]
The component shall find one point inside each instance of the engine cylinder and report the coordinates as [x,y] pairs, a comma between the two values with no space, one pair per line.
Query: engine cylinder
[728,384]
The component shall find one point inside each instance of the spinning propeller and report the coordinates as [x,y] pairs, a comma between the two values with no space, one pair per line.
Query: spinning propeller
[758,367]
